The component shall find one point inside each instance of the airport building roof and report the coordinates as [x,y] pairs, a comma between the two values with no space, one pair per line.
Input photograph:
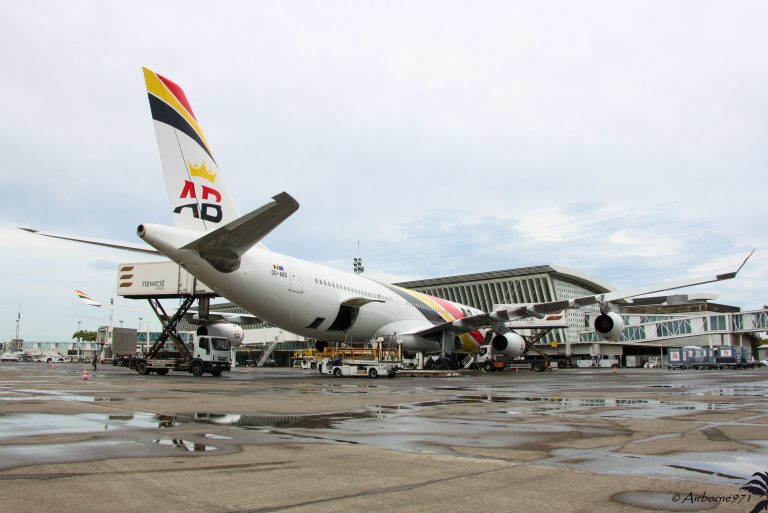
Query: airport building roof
[558,271]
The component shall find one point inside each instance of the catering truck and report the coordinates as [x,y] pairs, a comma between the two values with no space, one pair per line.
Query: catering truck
[217,332]
[209,352]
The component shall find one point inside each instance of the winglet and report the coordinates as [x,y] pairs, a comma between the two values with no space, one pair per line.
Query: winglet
[728,276]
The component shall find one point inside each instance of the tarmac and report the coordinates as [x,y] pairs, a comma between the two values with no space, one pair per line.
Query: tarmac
[262,440]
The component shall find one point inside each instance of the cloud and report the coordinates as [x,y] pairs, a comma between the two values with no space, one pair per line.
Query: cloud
[448,138]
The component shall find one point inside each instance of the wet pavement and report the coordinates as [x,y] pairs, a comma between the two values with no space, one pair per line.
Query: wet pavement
[608,441]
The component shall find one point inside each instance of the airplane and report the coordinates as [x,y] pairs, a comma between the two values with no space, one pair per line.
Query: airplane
[223,249]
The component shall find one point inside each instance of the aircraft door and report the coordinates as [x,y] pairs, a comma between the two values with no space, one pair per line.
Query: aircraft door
[297,282]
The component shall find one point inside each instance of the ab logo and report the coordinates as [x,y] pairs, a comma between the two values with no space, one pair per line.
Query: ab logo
[209,209]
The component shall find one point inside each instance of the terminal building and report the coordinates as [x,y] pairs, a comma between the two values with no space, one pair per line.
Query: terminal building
[681,320]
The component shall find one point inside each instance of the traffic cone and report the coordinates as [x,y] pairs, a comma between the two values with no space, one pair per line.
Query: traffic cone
[614,368]
[85,375]
[517,370]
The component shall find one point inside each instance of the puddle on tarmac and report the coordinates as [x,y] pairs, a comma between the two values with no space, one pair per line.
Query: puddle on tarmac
[731,391]
[324,421]
[551,404]
[16,425]
[185,445]
[400,427]
[26,394]
[733,467]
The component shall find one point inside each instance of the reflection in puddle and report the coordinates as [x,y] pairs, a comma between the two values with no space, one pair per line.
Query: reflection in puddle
[731,391]
[324,421]
[185,445]
[216,437]
[554,403]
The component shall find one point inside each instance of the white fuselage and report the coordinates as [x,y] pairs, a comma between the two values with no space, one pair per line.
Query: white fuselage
[306,298]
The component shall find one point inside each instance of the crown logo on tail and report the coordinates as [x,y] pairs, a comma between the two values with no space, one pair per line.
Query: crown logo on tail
[202,171]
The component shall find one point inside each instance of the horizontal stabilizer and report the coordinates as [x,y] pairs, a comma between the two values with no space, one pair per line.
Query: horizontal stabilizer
[222,248]
[137,248]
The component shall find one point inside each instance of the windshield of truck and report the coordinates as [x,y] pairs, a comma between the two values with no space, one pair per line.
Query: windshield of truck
[220,344]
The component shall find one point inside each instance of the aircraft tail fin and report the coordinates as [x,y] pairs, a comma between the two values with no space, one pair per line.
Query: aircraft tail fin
[200,199]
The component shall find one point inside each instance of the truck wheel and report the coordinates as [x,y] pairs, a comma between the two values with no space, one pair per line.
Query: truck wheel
[337,372]
[216,372]
[162,372]
[141,368]
[537,366]
[373,373]
[487,367]
[196,369]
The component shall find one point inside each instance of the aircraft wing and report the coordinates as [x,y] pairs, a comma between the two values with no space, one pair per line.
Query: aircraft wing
[138,248]
[237,318]
[541,310]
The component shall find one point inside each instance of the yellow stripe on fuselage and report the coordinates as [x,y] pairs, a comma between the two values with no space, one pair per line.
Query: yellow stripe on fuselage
[156,87]
[468,343]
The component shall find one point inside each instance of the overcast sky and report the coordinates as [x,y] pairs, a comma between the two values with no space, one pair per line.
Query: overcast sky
[626,140]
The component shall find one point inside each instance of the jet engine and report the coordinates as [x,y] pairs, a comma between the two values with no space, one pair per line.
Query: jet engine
[609,326]
[511,344]
[231,332]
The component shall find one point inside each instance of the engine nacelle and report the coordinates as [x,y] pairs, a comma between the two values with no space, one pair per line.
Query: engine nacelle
[511,344]
[231,332]
[609,326]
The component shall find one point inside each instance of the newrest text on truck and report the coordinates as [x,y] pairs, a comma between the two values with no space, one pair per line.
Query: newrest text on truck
[210,350]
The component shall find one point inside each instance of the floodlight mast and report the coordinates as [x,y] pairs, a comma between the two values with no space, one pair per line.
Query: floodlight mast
[357,262]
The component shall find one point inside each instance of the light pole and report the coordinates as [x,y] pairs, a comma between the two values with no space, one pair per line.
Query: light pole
[16,345]
[78,339]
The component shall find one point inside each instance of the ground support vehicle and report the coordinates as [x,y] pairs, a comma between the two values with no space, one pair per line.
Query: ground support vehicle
[123,346]
[304,359]
[373,369]
[513,346]
[210,352]
[382,360]
[9,357]
[718,357]
[489,360]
